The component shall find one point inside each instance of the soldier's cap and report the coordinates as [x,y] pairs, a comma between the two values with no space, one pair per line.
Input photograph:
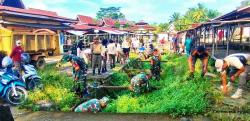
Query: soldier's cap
[104,99]
[66,57]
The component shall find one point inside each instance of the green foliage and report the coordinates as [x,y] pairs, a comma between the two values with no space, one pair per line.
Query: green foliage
[117,24]
[119,79]
[126,25]
[163,27]
[56,90]
[193,15]
[177,96]
[110,12]
[244,3]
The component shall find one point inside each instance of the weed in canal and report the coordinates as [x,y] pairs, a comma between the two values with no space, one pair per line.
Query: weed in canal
[56,91]
[177,96]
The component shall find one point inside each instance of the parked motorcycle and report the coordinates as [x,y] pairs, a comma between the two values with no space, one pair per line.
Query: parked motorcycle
[12,89]
[30,76]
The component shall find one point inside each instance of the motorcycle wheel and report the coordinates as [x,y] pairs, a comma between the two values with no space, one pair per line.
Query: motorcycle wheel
[22,95]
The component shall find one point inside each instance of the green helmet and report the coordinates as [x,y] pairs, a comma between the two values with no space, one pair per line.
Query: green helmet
[104,100]
[66,58]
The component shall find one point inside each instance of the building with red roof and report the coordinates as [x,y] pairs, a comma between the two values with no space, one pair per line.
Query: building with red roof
[142,27]
[87,20]
[109,22]
[39,30]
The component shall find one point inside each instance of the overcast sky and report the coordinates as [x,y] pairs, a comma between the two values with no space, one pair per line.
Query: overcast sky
[152,11]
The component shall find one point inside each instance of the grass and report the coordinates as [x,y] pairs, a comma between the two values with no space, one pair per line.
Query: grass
[177,96]
[56,91]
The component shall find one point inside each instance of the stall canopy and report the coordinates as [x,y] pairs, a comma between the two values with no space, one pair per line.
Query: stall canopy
[78,33]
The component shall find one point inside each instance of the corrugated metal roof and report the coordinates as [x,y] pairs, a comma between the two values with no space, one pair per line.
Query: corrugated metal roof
[37,13]
[86,20]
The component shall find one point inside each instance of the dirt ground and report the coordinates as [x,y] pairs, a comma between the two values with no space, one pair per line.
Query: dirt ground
[48,116]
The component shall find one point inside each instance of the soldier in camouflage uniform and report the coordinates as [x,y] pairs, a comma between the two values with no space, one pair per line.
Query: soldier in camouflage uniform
[93,105]
[156,65]
[79,73]
[140,83]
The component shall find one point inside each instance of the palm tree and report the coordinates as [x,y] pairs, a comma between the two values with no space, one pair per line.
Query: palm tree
[175,17]
[212,14]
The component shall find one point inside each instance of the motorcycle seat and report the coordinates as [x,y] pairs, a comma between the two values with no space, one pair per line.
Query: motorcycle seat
[1,72]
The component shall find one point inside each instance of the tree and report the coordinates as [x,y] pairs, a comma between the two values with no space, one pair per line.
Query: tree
[244,3]
[175,17]
[193,15]
[212,13]
[117,24]
[126,25]
[110,12]
[163,27]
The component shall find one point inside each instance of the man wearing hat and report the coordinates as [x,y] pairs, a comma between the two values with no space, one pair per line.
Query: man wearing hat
[198,53]
[16,56]
[93,105]
[236,65]
[96,50]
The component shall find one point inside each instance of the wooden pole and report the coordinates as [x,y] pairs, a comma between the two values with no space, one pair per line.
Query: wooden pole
[213,40]
[241,34]
[204,37]
[227,38]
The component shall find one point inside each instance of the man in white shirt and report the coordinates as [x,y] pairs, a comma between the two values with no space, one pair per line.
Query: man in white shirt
[241,65]
[111,53]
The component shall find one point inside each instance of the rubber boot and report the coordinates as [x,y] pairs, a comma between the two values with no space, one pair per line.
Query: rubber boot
[93,72]
[99,72]
[237,94]
[103,70]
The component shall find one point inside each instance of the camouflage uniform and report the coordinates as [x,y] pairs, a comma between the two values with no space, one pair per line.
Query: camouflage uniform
[89,106]
[156,67]
[140,83]
[79,72]
[79,75]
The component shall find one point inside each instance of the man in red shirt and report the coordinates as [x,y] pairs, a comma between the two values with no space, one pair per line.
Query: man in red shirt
[16,55]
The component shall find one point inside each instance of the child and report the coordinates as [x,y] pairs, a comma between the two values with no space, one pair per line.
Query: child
[141,51]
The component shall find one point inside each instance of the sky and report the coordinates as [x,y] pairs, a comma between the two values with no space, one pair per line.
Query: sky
[151,11]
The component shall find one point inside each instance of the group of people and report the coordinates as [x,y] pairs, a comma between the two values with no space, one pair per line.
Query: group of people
[179,47]
[101,52]
[235,65]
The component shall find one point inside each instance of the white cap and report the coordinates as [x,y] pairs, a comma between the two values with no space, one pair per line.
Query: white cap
[219,64]
[18,43]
